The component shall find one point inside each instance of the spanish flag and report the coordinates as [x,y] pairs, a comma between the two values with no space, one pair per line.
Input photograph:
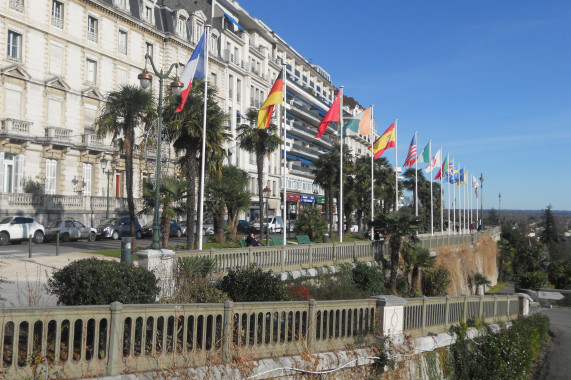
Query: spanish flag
[386,141]
[274,97]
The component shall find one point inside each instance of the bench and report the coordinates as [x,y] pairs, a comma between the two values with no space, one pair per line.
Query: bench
[303,239]
[277,241]
[242,242]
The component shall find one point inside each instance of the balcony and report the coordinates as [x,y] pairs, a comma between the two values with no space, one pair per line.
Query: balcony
[307,152]
[301,170]
[93,37]
[16,128]
[91,141]
[59,135]
[302,131]
[17,5]
[57,21]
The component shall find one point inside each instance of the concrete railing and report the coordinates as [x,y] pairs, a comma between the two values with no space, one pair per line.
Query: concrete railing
[435,315]
[117,338]
[281,259]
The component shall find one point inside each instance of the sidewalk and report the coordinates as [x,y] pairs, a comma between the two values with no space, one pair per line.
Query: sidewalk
[28,277]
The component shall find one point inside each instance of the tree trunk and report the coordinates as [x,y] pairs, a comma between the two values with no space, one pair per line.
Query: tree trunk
[219,226]
[165,230]
[415,280]
[394,264]
[191,200]
[260,166]
[128,148]
[232,222]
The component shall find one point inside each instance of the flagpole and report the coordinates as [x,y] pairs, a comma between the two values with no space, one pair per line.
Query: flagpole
[203,151]
[284,79]
[341,166]
[396,170]
[431,205]
[448,177]
[477,206]
[441,204]
[372,175]
[454,190]
[415,177]
[465,202]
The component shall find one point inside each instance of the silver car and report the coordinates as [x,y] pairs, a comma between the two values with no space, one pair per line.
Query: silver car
[69,229]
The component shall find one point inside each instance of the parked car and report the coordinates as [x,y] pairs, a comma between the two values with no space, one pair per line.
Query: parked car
[69,229]
[274,223]
[243,226]
[207,229]
[17,228]
[175,229]
[117,227]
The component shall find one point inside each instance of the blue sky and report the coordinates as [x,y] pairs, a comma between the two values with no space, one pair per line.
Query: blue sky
[489,81]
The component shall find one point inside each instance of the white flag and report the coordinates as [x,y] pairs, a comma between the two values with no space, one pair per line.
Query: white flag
[436,161]
[474,182]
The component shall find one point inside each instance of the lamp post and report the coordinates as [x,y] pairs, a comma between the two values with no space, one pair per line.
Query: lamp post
[104,162]
[266,192]
[482,201]
[145,79]
[500,208]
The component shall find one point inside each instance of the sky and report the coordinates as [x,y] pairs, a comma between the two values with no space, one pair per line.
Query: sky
[488,81]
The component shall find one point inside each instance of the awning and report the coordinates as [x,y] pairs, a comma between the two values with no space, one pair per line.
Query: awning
[296,158]
[293,197]
[231,19]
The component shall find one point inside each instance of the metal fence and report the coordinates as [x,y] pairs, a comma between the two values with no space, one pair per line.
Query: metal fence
[435,315]
[73,342]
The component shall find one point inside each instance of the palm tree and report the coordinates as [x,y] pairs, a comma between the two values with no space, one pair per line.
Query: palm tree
[400,226]
[172,192]
[480,279]
[186,130]
[417,258]
[262,142]
[325,172]
[121,113]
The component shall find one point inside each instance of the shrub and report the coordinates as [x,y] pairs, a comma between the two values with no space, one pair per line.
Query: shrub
[508,354]
[195,266]
[533,280]
[310,223]
[100,282]
[435,282]
[196,290]
[252,284]
[370,280]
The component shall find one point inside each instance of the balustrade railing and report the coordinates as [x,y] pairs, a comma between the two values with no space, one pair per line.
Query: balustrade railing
[16,127]
[115,339]
[424,316]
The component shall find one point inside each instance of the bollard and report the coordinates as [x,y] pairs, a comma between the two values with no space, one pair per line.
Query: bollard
[127,244]
[57,243]
[30,247]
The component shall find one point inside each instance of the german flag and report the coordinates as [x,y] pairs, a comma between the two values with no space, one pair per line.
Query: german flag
[274,97]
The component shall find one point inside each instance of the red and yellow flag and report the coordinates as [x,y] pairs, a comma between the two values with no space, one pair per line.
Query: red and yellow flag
[274,97]
[386,141]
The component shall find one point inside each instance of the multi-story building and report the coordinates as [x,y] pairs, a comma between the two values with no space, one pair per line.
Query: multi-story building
[61,57]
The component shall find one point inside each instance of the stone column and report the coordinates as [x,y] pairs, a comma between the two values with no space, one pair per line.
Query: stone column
[390,311]
[161,262]
[524,300]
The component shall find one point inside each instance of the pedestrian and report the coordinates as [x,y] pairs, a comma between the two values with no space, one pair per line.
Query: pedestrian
[252,240]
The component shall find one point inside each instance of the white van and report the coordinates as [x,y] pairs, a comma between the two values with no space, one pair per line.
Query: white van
[274,223]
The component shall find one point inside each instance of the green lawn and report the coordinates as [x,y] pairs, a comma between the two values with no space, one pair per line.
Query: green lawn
[496,288]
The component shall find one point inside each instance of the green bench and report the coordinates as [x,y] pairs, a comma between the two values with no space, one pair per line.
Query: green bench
[303,239]
[242,242]
[277,241]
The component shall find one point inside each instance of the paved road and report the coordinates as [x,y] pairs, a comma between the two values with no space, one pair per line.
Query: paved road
[558,361]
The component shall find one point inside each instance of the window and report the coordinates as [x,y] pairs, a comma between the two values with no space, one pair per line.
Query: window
[11,172]
[86,175]
[13,104]
[148,13]
[89,116]
[238,90]
[180,26]
[14,46]
[57,14]
[121,76]
[54,112]
[213,80]
[149,49]
[56,58]
[51,168]
[92,29]
[230,86]
[91,74]
[122,42]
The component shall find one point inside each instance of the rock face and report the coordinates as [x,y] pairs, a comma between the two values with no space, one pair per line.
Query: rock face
[466,260]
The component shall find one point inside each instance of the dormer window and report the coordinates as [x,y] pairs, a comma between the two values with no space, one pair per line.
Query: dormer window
[180,17]
[180,26]
[148,13]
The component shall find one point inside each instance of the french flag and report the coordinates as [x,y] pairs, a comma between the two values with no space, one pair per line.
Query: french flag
[195,68]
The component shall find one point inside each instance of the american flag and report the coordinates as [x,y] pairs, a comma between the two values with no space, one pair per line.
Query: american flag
[411,158]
